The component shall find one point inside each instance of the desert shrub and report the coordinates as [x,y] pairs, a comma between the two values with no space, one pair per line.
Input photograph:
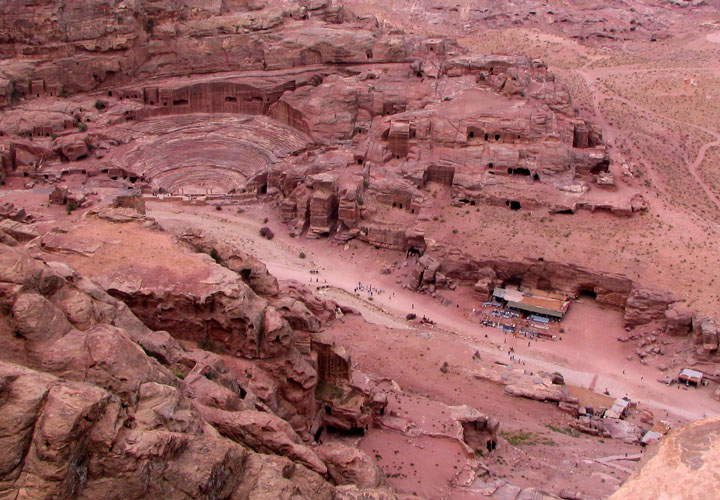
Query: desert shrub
[207,344]
[267,233]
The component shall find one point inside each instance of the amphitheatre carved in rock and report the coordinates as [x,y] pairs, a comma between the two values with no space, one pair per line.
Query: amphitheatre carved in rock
[358,250]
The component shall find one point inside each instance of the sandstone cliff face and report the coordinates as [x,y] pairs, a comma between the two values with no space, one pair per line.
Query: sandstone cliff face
[106,41]
[441,266]
[681,465]
[96,405]
[645,305]
[208,304]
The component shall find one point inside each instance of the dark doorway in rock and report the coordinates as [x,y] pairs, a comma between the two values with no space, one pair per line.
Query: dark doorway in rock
[515,281]
[515,205]
[603,166]
[587,294]
[413,251]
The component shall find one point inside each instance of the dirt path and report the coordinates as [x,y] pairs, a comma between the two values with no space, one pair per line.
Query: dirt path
[601,92]
[698,161]
[591,328]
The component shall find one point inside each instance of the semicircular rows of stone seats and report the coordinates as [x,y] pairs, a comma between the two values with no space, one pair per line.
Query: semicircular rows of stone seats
[212,154]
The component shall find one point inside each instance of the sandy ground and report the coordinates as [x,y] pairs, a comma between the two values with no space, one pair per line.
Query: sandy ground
[589,348]
[384,344]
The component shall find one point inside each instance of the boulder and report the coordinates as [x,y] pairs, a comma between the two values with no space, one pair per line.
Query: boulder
[679,319]
[265,433]
[621,429]
[350,465]
[72,147]
[58,196]
[688,455]
[645,305]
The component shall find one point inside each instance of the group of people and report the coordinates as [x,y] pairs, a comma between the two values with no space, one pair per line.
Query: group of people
[370,290]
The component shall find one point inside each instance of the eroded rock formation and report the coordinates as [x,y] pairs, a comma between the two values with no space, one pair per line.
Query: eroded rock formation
[96,405]
[688,456]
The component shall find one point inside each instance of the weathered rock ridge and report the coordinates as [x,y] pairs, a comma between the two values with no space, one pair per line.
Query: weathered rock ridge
[97,405]
[682,465]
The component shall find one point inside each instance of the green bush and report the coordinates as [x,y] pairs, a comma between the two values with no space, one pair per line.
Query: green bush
[70,207]
[208,345]
[302,255]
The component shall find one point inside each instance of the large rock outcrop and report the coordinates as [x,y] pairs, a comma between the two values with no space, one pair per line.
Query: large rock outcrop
[94,404]
[684,464]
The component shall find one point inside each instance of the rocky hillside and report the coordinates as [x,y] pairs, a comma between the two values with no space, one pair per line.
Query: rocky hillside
[97,405]
[684,465]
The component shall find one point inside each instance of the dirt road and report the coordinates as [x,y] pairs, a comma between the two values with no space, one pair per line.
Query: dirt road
[588,350]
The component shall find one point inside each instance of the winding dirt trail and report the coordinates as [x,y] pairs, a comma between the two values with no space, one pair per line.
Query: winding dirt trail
[698,161]
[601,92]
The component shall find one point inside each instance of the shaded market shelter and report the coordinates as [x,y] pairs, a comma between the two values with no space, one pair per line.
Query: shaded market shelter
[533,302]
